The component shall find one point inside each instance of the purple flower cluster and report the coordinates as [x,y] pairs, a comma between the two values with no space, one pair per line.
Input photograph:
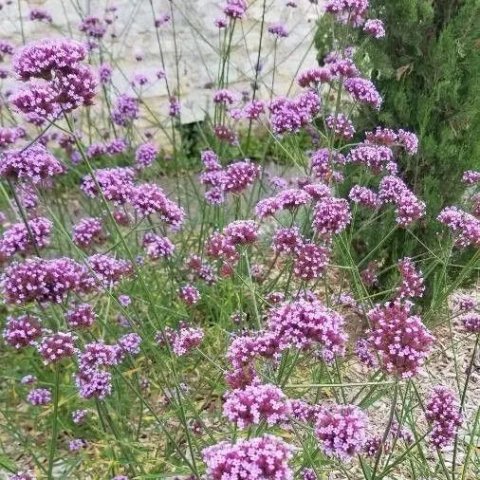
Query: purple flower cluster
[45,58]
[400,339]
[257,403]
[341,126]
[471,177]
[149,198]
[303,323]
[375,157]
[364,196]
[39,396]
[93,27]
[288,199]
[310,261]
[9,135]
[348,11]
[408,207]
[465,227]
[235,178]
[40,15]
[363,91]
[34,164]
[22,476]
[235,8]
[109,270]
[331,216]
[189,294]
[278,30]
[444,415]
[42,280]
[289,115]
[126,110]
[374,28]
[412,281]
[261,458]
[82,316]
[20,239]
[61,82]
[145,155]
[22,331]
[116,184]
[87,232]
[181,341]
[157,246]
[341,430]
[56,347]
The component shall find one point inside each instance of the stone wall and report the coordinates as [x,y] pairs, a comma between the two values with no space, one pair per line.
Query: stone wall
[194,47]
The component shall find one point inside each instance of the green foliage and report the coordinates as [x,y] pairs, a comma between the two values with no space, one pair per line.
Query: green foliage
[427,70]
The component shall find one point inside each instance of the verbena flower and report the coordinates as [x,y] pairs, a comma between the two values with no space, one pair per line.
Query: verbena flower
[307,323]
[341,126]
[363,91]
[94,384]
[87,232]
[93,26]
[42,280]
[82,316]
[331,216]
[20,239]
[341,430]
[256,403]
[189,294]
[145,155]
[130,343]
[278,30]
[56,347]
[39,396]
[235,8]
[465,227]
[310,261]
[471,322]
[40,15]
[261,458]
[241,232]
[34,164]
[79,416]
[374,28]
[41,59]
[157,246]
[443,413]
[22,331]
[116,184]
[148,199]
[364,196]
[109,270]
[126,110]
[412,281]
[400,338]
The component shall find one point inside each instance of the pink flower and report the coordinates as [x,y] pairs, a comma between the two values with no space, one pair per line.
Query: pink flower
[256,403]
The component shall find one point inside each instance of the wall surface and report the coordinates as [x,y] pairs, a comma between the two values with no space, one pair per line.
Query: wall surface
[191,55]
